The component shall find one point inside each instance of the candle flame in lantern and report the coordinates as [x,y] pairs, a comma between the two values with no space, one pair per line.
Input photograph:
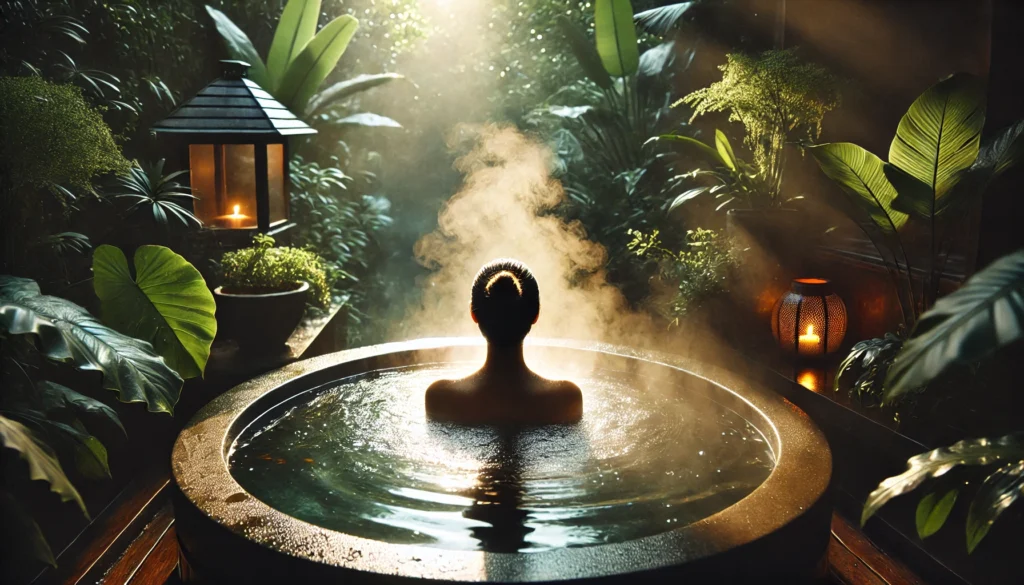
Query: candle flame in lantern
[810,328]
[239,207]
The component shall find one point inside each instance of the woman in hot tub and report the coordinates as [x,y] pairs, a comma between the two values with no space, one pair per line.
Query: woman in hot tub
[505,303]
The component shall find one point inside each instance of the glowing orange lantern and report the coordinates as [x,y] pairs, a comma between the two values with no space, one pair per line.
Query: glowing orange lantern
[236,134]
[810,319]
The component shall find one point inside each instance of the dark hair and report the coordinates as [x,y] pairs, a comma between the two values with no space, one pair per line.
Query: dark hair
[505,301]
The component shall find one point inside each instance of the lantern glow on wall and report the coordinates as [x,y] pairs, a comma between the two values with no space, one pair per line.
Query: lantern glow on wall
[237,151]
[810,319]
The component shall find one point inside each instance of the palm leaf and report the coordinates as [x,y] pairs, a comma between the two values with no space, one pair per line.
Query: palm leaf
[585,53]
[660,21]
[309,69]
[239,46]
[615,37]
[295,29]
[65,332]
[167,304]
[998,492]
[344,89]
[42,463]
[937,140]
[939,461]
[986,313]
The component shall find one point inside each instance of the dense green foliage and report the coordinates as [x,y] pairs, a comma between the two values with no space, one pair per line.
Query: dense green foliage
[52,137]
[778,97]
[262,267]
[695,274]
[54,427]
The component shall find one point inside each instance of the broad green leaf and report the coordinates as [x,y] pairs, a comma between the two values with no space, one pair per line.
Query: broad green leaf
[655,61]
[939,461]
[54,396]
[938,139]
[933,511]
[986,313]
[725,149]
[713,156]
[999,491]
[309,69]
[660,21]
[344,89]
[860,175]
[366,119]
[239,46]
[585,52]
[295,29]
[615,36]
[42,463]
[21,532]
[913,197]
[88,453]
[65,332]
[167,304]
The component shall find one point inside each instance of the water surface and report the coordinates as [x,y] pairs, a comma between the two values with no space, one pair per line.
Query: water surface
[360,457]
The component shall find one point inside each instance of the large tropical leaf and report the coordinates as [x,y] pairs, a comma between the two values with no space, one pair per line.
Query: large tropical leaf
[345,89]
[65,332]
[724,149]
[937,140]
[54,397]
[999,491]
[294,31]
[660,21]
[860,175]
[655,61]
[309,69]
[986,313]
[167,304]
[615,36]
[585,52]
[239,46]
[42,463]
[867,363]
[939,461]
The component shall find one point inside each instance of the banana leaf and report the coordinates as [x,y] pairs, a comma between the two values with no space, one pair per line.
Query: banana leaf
[312,66]
[937,140]
[295,29]
[344,89]
[615,37]
[583,49]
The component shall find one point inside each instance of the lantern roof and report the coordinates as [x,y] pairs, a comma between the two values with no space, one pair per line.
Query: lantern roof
[233,104]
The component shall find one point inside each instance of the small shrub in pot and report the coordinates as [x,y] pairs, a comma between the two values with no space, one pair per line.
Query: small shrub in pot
[264,293]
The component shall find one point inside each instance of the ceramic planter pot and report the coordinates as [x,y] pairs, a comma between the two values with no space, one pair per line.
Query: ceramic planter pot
[259,321]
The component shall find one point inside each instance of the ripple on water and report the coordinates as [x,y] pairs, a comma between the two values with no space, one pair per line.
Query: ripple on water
[361,458]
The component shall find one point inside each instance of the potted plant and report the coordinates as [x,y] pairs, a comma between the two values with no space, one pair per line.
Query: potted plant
[264,293]
[780,99]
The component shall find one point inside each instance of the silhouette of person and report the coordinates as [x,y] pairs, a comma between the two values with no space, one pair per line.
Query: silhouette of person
[505,303]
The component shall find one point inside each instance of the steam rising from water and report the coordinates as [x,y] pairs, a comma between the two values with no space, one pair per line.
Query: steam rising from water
[504,209]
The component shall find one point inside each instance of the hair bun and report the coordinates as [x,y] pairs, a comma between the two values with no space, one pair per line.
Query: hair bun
[504,286]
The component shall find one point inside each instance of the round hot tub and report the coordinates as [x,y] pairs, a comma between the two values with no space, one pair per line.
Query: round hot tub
[328,469]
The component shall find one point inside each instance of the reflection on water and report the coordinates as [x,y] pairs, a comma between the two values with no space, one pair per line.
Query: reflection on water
[360,457]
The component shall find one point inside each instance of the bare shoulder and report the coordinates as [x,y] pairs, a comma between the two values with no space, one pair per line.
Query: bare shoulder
[440,390]
[566,400]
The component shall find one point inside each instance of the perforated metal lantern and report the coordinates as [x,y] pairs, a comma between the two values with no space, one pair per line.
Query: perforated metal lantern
[235,136]
[810,319]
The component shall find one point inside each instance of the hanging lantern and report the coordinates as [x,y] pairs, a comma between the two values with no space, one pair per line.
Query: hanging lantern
[235,136]
[810,319]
